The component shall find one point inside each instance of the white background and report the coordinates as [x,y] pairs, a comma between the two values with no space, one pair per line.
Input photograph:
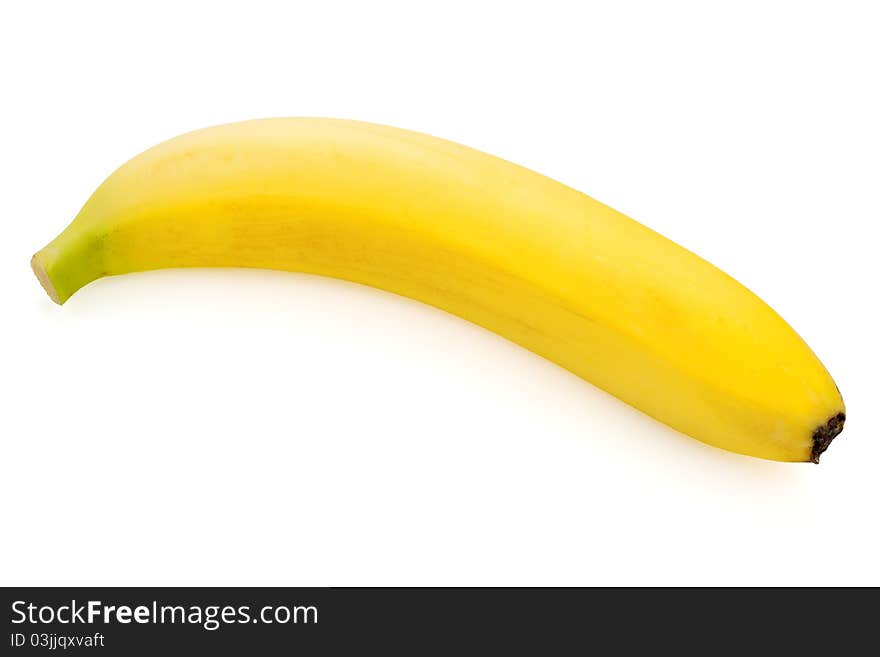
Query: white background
[232,427]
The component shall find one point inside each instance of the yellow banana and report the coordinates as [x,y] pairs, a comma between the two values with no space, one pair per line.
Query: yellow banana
[504,247]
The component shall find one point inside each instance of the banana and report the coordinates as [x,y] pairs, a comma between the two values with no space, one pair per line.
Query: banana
[506,248]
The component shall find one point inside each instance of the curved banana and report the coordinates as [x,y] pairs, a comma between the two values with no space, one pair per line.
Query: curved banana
[504,247]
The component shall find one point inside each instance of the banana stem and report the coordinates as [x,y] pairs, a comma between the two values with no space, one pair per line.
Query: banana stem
[67,264]
[39,266]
